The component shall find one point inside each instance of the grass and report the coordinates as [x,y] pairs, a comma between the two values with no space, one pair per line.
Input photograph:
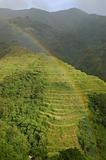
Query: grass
[64,101]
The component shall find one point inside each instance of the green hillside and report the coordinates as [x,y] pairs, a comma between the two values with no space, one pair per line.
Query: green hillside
[49,110]
[72,35]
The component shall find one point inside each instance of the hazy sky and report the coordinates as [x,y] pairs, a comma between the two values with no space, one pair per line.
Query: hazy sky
[91,6]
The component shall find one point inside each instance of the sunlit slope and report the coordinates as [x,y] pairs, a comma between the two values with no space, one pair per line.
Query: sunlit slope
[65,101]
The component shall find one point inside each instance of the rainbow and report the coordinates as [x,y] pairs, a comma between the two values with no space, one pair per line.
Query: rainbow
[34,40]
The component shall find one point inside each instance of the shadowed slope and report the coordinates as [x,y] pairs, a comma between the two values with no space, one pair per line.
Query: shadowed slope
[72,35]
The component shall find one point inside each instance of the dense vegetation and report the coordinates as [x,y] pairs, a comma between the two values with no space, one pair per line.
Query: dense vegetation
[44,111]
[72,35]
[97,106]
[22,132]
[69,154]
[94,144]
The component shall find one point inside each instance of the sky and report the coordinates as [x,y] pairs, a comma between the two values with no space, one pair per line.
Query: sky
[90,6]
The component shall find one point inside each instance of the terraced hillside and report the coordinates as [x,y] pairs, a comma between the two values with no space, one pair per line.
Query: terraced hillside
[47,102]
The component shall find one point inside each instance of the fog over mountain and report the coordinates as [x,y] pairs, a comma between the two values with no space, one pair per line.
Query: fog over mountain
[95,6]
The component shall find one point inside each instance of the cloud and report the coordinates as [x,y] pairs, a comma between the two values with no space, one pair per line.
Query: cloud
[61,4]
[52,5]
[91,6]
[42,4]
[13,4]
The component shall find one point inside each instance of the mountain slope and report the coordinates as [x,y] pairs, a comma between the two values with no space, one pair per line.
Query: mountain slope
[45,104]
[72,35]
